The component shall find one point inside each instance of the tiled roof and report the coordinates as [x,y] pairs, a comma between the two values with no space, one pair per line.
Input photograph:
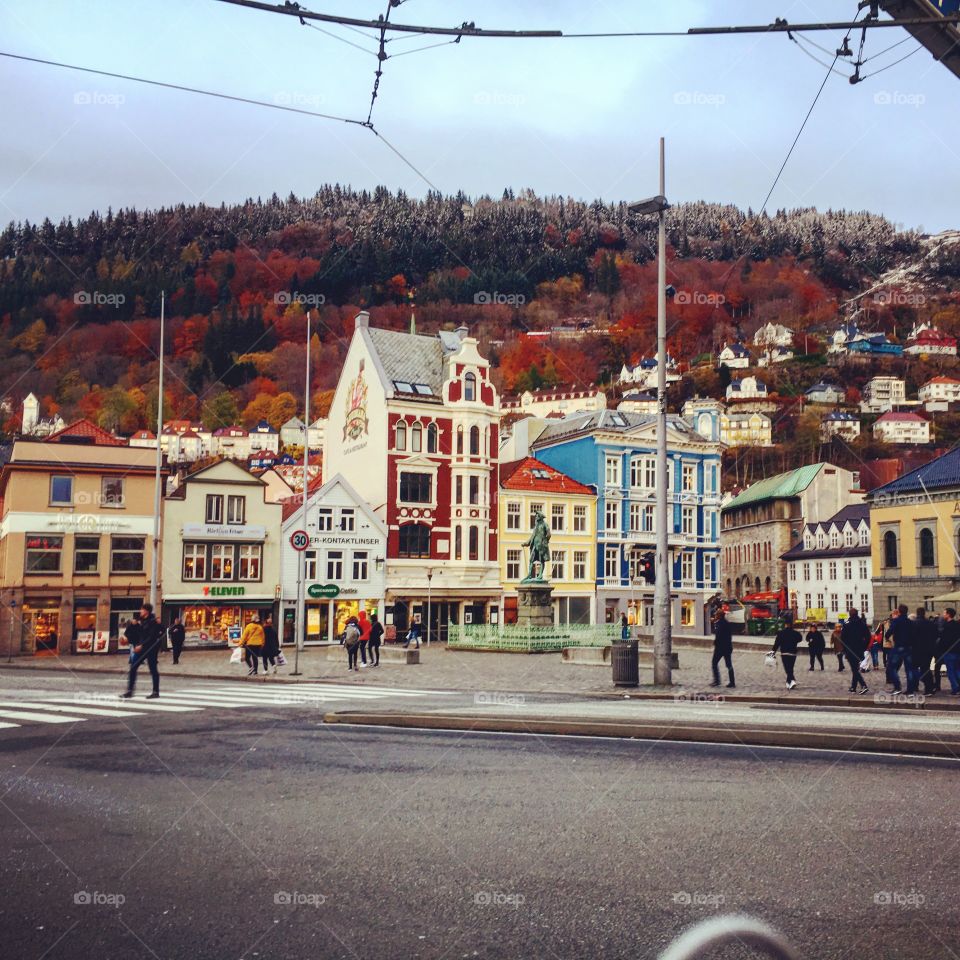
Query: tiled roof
[263,427]
[519,475]
[939,474]
[617,421]
[893,416]
[143,435]
[941,380]
[87,431]
[790,484]
[844,415]
[409,357]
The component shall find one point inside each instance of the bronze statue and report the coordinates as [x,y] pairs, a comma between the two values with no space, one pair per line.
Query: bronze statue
[539,544]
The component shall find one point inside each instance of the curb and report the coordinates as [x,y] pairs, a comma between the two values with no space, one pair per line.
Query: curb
[639,730]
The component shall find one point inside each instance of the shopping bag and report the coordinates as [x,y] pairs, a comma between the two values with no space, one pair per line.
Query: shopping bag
[770,660]
[237,655]
[866,664]
[281,659]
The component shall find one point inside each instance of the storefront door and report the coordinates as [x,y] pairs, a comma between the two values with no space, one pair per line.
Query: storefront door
[42,623]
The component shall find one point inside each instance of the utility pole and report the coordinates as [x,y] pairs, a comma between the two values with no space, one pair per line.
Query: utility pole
[155,559]
[301,635]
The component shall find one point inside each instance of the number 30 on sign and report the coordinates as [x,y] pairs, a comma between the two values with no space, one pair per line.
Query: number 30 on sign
[299,540]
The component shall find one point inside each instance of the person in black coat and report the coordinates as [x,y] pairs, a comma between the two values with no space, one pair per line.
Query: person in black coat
[271,644]
[816,644]
[149,641]
[177,634]
[722,649]
[924,646]
[376,638]
[786,642]
[855,637]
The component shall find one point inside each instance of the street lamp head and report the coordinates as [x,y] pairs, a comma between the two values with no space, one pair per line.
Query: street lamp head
[657,204]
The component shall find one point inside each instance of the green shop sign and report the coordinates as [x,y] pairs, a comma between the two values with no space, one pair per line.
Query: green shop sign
[318,590]
[224,591]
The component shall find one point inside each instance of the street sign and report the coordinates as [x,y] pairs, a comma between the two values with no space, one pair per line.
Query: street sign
[299,540]
[318,590]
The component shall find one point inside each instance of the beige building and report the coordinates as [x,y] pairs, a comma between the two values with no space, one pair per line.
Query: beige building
[76,528]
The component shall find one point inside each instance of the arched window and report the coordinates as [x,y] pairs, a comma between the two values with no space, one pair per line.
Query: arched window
[757,584]
[767,585]
[416,438]
[470,387]
[432,438]
[474,441]
[414,540]
[927,557]
[890,558]
[459,439]
[401,443]
[474,543]
[458,544]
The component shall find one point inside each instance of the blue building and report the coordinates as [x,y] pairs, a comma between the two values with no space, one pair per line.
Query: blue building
[615,452]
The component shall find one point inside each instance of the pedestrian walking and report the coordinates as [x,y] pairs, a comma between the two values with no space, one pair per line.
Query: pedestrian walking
[837,642]
[950,649]
[855,636]
[924,643]
[376,638]
[149,639]
[722,649]
[351,640]
[271,644]
[252,642]
[177,634]
[132,634]
[364,624]
[786,642]
[900,634]
[816,644]
[413,634]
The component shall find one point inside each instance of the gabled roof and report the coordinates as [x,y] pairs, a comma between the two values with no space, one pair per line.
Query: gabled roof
[821,386]
[941,380]
[143,435]
[294,423]
[531,474]
[613,421]
[230,432]
[843,415]
[263,427]
[409,357]
[942,473]
[790,484]
[85,432]
[893,416]
[737,349]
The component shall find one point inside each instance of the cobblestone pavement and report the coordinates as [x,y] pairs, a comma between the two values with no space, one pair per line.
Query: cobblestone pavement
[531,673]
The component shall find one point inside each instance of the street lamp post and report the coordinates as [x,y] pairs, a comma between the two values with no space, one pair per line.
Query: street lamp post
[301,635]
[429,598]
[155,556]
[662,674]
[13,613]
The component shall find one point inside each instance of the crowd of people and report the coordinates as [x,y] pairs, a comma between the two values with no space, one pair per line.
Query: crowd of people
[923,647]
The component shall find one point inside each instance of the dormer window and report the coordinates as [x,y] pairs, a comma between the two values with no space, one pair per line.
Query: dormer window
[470,387]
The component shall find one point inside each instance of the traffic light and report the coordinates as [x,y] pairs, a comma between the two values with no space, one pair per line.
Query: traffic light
[648,566]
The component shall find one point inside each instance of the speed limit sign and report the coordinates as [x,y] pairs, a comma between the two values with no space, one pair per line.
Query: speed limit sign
[299,540]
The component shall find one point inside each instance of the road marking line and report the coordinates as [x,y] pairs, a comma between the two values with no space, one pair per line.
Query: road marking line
[65,708]
[9,725]
[140,704]
[39,717]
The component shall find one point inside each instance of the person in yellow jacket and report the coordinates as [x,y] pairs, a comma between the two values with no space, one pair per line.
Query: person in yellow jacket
[252,642]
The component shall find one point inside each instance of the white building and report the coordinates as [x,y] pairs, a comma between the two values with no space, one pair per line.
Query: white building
[221,553]
[638,402]
[902,428]
[881,394]
[231,442]
[185,441]
[143,438]
[824,393]
[773,335]
[829,572]
[746,429]
[842,336]
[927,340]
[747,388]
[775,355]
[839,423]
[735,356]
[263,437]
[644,374]
[703,414]
[344,565]
[31,415]
[291,433]
[561,400]
[939,392]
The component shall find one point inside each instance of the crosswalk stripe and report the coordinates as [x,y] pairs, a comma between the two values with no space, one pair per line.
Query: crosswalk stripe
[177,700]
[287,693]
[141,704]
[65,708]
[39,717]
[2,725]
[345,688]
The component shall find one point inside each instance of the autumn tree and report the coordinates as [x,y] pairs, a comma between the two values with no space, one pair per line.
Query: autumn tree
[220,411]
[282,407]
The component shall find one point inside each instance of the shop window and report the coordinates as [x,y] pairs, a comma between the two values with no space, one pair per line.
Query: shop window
[513,564]
[251,555]
[43,554]
[214,508]
[325,518]
[347,519]
[416,438]
[360,565]
[475,490]
[470,387]
[61,491]
[111,492]
[236,509]
[194,561]
[401,436]
[414,540]
[416,487]
[687,613]
[86,554]
[513,515]
[126,554]
[432,438]
[474,441]
[334,565]
[221,561]
[474,543]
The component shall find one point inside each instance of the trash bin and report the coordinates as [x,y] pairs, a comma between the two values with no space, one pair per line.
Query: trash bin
[625,657]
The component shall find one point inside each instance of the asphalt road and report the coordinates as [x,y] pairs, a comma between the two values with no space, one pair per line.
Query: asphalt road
[257,831]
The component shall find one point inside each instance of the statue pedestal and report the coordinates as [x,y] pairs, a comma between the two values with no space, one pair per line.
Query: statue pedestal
[535,604]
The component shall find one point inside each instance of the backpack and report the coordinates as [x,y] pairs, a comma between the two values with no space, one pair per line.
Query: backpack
[351,635]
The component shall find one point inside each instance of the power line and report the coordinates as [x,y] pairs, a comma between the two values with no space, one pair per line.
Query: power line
[177,86]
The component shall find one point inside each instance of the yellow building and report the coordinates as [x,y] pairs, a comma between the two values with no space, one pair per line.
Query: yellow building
[569,509]
[915,535]
[746,429]
[76,526]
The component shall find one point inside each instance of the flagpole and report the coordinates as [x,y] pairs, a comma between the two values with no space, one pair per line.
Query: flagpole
[155,559]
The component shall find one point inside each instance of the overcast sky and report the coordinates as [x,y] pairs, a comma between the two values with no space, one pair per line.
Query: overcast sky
[579,118]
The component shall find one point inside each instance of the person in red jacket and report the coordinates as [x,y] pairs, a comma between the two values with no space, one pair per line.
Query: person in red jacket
[365,626]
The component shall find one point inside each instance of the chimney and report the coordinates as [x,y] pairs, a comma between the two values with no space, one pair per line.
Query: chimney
[463,331]
[362,320]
